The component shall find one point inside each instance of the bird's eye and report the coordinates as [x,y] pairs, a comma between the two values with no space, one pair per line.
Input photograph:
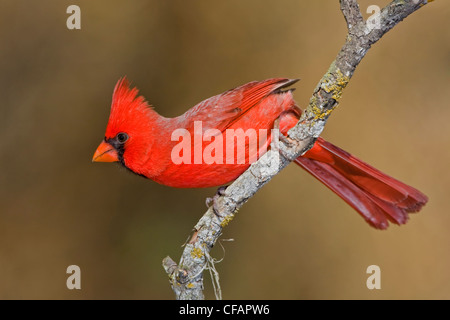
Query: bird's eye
[122,137]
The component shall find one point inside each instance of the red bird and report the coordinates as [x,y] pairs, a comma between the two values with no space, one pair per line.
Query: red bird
[144,142]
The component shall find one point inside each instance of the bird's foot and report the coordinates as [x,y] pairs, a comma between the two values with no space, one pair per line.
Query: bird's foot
[213,200]
[287,144]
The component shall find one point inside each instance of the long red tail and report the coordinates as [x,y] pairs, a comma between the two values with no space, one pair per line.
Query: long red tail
[376,196]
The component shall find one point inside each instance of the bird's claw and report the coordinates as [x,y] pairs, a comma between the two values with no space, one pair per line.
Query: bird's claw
[287,143]
[212,201]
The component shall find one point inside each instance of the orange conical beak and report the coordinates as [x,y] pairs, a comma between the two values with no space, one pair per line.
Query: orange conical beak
[105,153]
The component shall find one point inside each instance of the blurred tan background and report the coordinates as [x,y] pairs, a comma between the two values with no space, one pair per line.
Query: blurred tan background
[293,240]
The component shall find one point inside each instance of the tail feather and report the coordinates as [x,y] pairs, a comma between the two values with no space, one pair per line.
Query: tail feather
[378,197]
[375,181]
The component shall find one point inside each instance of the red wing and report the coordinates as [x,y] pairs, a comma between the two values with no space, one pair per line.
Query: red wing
[221,111]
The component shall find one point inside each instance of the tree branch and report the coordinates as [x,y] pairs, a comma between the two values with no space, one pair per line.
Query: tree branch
[186,278]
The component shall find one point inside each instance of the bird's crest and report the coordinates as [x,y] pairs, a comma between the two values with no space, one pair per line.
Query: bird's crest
[126,98]
[128,109]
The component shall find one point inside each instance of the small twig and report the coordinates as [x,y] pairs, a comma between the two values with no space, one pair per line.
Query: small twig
[352,14]
[211,266]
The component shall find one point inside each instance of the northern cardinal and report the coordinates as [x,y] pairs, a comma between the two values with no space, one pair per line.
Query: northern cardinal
[142,141]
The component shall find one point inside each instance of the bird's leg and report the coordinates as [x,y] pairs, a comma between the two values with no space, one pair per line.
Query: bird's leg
[287,144]
[220,192]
